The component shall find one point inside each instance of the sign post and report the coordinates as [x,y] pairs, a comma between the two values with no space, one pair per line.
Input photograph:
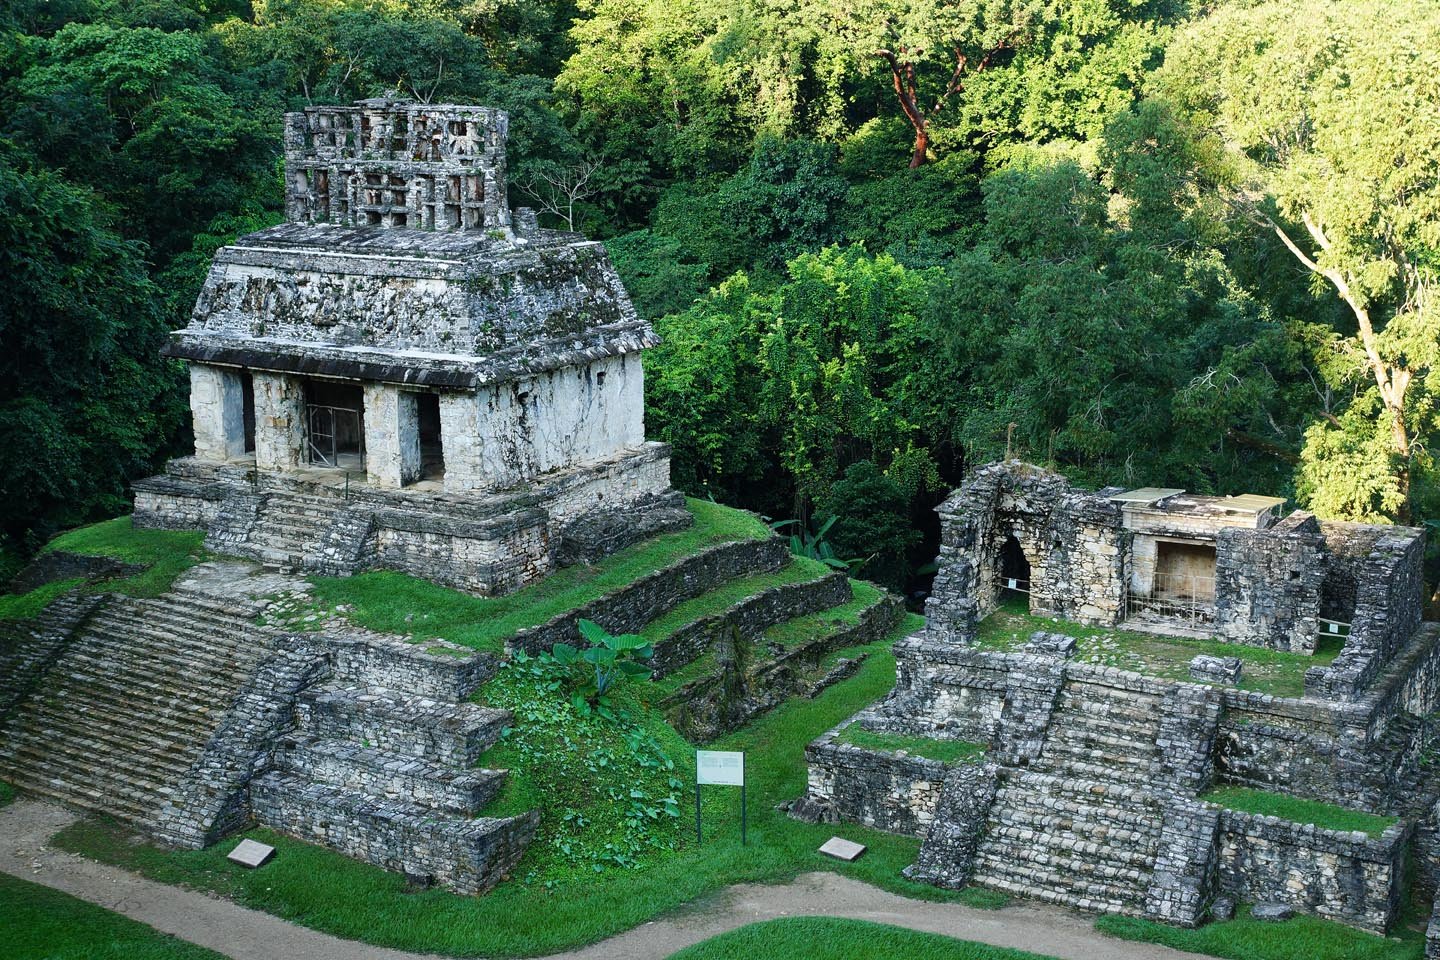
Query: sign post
[721,768]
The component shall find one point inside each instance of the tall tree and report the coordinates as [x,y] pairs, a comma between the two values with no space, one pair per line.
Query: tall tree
[1325,122]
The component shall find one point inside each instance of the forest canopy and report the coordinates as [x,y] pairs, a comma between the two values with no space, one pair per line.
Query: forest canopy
[1143,241]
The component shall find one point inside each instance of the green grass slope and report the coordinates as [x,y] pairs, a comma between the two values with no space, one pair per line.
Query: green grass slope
[44,924]
[825,938]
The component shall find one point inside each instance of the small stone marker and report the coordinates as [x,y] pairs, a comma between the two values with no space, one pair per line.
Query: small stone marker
[1222,909]
[842,849]
[1208,669]
[248,853]
[1271,912]
[1051,644]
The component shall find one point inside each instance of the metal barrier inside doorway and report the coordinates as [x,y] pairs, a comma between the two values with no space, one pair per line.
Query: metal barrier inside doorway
[335,436]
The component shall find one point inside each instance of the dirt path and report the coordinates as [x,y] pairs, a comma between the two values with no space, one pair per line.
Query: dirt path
[244,934]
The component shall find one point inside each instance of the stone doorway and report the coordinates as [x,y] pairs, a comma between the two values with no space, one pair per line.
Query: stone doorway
[432,449]
[247,405]
[1014,578]
[334,425]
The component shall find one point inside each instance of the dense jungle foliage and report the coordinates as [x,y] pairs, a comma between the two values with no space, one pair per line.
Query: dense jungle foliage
[1163,242]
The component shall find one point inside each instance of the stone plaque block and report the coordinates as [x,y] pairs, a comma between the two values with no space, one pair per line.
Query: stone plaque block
[1051,644]
[842,849]
[1272,912]
[248,853]
[1208,669]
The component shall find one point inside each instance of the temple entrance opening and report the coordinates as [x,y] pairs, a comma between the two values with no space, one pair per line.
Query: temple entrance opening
[334,424]
[1014,570]
[247,405]
[432,450]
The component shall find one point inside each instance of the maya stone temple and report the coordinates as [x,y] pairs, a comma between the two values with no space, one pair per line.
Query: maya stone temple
[406,375]
[1089,792]
[409,376]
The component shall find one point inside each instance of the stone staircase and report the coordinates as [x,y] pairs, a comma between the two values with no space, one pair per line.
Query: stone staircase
[132,702]
[1081,824]
[290,529]
[389,776]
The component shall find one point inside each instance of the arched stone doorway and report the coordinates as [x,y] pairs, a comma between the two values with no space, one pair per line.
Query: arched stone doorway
[1014,573]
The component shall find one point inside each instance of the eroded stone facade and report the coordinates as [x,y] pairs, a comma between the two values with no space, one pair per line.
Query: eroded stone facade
[1091,790]
[400,377]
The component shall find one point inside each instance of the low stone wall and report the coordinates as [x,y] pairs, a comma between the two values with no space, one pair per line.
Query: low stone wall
[437,669]
[881,789]
[738,692]
[628,609]
[750,617]
[467,856]
[593,536]
[1352,753]
[1348,877]
[166,503]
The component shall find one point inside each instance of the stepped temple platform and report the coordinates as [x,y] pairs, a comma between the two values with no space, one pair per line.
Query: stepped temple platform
[406,375]
[1097,742]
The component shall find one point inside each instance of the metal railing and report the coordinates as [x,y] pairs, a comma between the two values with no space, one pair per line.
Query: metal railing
[322,433]
[1184,597]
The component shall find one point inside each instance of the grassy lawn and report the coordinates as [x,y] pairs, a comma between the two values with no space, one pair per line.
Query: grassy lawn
[7,793]
[1300,938]
[946,751]
[562,907]
[1296,810]
[23,606]
[824,938]
[1275,672]
[45,924]
[789,634]
[793,633]
[167,553]
[388,601]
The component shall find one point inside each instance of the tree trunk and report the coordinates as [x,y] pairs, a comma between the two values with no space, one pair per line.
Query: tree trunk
[922,144]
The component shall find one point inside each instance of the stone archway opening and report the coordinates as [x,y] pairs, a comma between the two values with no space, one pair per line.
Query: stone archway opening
[1014,572]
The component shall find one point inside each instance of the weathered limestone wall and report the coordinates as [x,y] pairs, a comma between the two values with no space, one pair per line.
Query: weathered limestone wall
[512,432]
[1384,565]
[1268,583]
[1349,877]
[881,789]
[217,410]
[392,436]
[279,421]
[1076,549]
[298,286]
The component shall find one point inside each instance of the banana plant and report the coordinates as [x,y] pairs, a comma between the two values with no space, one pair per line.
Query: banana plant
[607,660]
[812,543]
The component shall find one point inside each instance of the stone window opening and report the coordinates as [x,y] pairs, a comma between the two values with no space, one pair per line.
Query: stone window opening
[334,425]
[432,447]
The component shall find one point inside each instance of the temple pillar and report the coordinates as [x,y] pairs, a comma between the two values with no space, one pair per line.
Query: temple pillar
[279,421]
[217,409]
[392,436]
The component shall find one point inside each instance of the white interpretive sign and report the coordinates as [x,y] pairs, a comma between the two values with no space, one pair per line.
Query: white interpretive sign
[720,768]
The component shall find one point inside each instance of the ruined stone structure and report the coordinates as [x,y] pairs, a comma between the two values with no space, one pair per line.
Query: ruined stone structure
[402,377]
[1089,793]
